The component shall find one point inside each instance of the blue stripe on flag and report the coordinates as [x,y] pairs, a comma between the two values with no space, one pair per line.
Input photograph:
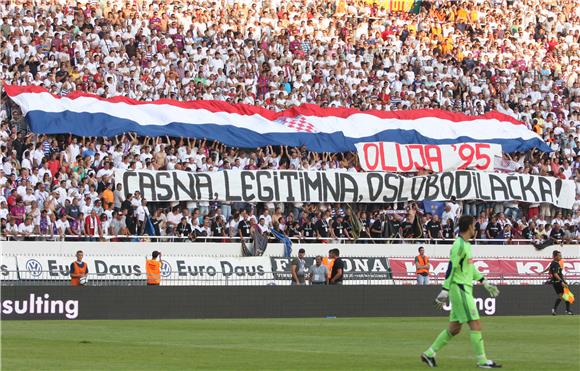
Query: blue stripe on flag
[104,125]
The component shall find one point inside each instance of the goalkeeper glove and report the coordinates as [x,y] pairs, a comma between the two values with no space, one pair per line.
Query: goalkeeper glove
[491,288]
[442,299]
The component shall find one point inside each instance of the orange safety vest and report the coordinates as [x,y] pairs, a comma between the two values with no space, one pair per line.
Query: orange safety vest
[153,268]
[328,263]
[422,260]
[77,269]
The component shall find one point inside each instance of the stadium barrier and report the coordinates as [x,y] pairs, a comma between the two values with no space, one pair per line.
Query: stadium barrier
[30,263]
[49,278]
[262,270]
[123,302]
[213,278]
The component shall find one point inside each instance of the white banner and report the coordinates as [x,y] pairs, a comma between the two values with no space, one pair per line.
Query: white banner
[404,158]
[221,271]
[182,270]
[318,186]
[55,267]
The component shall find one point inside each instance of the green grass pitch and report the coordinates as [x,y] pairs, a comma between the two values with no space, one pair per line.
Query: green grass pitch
[519,343]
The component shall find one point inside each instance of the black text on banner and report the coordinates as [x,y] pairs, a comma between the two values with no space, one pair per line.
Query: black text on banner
[317,186]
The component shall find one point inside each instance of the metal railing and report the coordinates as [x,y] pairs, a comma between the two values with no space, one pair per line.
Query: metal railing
[208,278]
[211,278]
[340,240]
[215,278]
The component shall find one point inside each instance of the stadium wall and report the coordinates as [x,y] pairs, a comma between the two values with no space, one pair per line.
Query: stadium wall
[22,302]
[31,248]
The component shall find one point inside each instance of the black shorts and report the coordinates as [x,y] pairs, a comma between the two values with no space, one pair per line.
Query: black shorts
[558,287]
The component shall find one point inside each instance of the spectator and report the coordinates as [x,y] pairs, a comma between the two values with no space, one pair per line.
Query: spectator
[529,232]
[493,228]
[308,230]
[263,227]
[183,229]
[448,231]
[173,219]
[449,213]
[434,228]
[218,228]
[93,226]
[377,226]
[203,230]
[26,229]
[63,226]
[506,234]
[244,226]
[339,228]
[118,227]
[322,228]
[556,234]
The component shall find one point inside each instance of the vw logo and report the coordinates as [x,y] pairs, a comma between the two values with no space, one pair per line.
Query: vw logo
[34,267]
[165,269]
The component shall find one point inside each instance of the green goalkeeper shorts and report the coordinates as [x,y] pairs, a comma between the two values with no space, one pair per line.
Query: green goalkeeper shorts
[463,307]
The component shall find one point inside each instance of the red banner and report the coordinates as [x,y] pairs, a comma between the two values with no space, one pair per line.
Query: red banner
[404,268]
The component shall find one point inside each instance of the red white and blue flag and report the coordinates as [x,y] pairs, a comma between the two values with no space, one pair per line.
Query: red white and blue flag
[300,124]
[319,129]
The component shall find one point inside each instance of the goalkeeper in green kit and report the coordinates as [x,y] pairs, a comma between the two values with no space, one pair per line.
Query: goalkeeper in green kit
[458,289]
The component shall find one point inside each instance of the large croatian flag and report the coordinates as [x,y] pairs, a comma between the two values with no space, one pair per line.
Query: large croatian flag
[319,129]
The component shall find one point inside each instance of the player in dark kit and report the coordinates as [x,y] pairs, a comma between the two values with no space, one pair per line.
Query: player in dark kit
[557,279]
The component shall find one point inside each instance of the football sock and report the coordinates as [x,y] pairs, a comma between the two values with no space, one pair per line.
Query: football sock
[441,340]
[477,345]
[567,307]
[557,303]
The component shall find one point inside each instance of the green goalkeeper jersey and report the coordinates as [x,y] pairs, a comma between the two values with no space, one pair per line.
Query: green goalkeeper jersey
[461,269]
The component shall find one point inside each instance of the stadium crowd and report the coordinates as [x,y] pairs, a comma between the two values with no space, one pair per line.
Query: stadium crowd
[518,57]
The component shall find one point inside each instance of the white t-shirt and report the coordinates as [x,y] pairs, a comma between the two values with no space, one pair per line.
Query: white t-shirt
[173,218]
[62,226]
[447,215]
[454,207]
[142,212]
[267,219]
[28,198]
[263,228]
[23,228]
